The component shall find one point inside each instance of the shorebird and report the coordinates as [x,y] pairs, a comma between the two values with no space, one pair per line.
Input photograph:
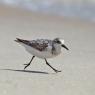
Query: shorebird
[43,48]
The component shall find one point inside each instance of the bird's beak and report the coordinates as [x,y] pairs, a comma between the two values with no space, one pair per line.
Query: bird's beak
[64,46]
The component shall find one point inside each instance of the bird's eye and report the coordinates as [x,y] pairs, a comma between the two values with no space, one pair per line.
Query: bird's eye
[58,42]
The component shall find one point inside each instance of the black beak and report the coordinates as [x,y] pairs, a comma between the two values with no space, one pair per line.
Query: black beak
[64,46]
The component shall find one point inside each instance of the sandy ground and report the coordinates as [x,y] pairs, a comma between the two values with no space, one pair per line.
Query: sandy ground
[77,65]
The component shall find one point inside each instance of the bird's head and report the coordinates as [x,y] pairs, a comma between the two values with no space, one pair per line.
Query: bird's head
[60,42]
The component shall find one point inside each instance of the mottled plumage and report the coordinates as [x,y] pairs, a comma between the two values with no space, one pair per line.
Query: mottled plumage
[39,44]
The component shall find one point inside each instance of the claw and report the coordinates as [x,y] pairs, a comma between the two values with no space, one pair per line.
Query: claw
[57,71]
[25,64]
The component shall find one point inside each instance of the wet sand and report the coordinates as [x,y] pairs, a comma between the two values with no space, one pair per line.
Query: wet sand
[77,65]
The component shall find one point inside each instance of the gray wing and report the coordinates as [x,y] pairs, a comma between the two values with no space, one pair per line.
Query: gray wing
[39,44]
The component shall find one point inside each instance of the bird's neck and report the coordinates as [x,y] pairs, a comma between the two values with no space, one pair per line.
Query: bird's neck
[57,49]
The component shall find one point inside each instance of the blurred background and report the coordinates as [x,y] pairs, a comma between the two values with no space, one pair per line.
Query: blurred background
[84,9]
[72,20]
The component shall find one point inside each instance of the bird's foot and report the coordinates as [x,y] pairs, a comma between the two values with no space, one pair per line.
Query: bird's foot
[26,65]
[56,71]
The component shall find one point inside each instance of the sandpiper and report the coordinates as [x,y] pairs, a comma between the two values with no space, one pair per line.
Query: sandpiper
[43,48]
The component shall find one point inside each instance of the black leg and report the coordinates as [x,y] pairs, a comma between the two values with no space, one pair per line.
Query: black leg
[29,63]
[51,67]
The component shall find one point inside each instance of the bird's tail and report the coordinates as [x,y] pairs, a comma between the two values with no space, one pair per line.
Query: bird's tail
[18,40]
[21,41]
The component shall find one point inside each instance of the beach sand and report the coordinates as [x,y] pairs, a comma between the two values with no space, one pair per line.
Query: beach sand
[77,65]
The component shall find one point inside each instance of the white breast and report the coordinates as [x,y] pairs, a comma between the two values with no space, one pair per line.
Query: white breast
[37,53]
[43,54]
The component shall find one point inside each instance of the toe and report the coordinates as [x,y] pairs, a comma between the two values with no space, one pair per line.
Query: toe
[57,71]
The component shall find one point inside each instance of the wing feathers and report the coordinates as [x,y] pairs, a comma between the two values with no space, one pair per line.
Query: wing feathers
[34,44]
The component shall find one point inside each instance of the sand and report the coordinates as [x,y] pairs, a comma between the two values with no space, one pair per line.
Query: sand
[77,65]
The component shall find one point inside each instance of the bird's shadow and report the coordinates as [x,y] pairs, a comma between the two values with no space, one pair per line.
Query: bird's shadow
[26,71]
